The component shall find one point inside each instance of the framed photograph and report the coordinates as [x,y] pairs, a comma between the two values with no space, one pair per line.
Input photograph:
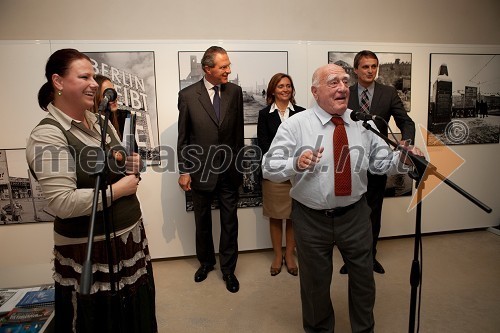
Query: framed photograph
[250,192]
[133,75]
[464,99]
[394,70]
[251,70]
[21,197]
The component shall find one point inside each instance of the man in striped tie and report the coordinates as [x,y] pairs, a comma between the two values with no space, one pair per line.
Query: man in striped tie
[369,96]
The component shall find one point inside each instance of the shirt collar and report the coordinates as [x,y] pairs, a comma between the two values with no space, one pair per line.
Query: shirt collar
[324,117]
[208,85]
[370,88]
[65,120]
[274,107]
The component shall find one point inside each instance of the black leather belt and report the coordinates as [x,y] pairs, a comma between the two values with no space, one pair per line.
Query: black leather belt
[334,212]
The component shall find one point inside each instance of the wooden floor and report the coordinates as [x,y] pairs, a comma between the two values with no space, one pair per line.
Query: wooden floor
[460,290]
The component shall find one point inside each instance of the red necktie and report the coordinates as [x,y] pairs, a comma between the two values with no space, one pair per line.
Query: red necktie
[341,159]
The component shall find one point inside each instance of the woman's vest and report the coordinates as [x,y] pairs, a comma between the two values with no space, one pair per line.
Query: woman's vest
[122,213]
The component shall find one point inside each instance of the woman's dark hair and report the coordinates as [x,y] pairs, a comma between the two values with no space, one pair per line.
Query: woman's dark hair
[273,83]
[113,116]
[58,63]
[100,79]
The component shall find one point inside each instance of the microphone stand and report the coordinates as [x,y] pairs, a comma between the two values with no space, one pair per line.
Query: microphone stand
[422,170]
[101,172]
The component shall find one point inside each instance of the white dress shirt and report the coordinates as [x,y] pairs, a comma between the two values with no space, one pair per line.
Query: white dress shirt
[312,129]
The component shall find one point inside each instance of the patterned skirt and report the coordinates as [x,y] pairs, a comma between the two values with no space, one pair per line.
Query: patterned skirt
[130,308]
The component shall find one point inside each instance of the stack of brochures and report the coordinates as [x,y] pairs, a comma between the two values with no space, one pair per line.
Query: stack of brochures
[33,310]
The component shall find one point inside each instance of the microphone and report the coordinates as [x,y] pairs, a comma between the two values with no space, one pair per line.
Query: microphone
[109,95]
[356,116]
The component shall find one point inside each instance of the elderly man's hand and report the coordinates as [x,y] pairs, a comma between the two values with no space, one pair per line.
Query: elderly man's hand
[309,158]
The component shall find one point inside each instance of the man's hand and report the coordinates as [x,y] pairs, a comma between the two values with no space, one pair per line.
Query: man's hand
[412,149]
[308,159]
[185,181]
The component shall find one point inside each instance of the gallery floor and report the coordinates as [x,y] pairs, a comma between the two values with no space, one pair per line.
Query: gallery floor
[460,290]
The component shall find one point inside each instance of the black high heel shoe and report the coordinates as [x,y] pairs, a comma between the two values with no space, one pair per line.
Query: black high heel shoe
[291,270]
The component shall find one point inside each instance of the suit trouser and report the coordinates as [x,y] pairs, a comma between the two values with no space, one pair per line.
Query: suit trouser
[316,235]
[375,198]
[227,195]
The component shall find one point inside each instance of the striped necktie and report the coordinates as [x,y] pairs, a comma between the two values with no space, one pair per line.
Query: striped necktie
[365,102]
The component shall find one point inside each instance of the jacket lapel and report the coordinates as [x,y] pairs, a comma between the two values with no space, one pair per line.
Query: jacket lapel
[274,118]
[205,101]
[354,98]
[224,105]
[376,98]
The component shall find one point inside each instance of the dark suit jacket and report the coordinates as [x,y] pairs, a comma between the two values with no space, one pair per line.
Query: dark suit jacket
[206,146]
[268,124]
[386,103]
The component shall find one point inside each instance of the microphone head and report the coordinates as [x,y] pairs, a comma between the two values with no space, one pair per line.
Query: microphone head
[354,116]
[109,94]
[357,116]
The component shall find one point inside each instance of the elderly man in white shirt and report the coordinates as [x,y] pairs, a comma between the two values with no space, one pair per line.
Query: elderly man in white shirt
[303,151]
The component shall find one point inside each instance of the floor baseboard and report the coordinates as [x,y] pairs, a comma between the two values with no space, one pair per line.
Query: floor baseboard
[494,230]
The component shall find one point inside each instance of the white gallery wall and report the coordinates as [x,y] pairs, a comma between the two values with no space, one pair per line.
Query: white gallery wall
[24,48]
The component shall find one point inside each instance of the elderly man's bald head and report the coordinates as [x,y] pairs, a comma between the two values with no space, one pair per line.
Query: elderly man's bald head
[330,88]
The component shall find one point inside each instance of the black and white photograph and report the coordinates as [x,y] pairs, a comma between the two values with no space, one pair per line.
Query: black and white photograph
[21,197]
[250,192]
[394,70]
[251,70]
[133,75]
[464,99]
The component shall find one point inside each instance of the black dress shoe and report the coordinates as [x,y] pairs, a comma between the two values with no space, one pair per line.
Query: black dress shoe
[202,272]
[232,283]
[377,267]
[343,269]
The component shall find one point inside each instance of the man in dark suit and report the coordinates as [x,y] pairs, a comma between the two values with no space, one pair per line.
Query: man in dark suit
[383,101]
[209,141]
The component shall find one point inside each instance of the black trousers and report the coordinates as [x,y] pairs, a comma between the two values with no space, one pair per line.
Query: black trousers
[227,195]
[375,198]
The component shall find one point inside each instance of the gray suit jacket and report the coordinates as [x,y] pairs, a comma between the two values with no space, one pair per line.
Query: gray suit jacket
[207,147]
[386,103]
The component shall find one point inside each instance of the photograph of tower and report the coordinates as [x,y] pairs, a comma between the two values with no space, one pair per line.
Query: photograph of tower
[464,99]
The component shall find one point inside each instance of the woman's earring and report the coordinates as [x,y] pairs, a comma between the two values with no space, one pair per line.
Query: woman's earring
[59,92]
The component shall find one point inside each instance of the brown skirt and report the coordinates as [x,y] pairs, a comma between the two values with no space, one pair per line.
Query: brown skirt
[276,201]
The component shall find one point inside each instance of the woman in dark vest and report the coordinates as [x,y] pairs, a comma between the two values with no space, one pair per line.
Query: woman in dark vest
[59,153]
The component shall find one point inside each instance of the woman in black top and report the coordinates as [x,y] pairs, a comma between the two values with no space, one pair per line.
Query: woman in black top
[277,204]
